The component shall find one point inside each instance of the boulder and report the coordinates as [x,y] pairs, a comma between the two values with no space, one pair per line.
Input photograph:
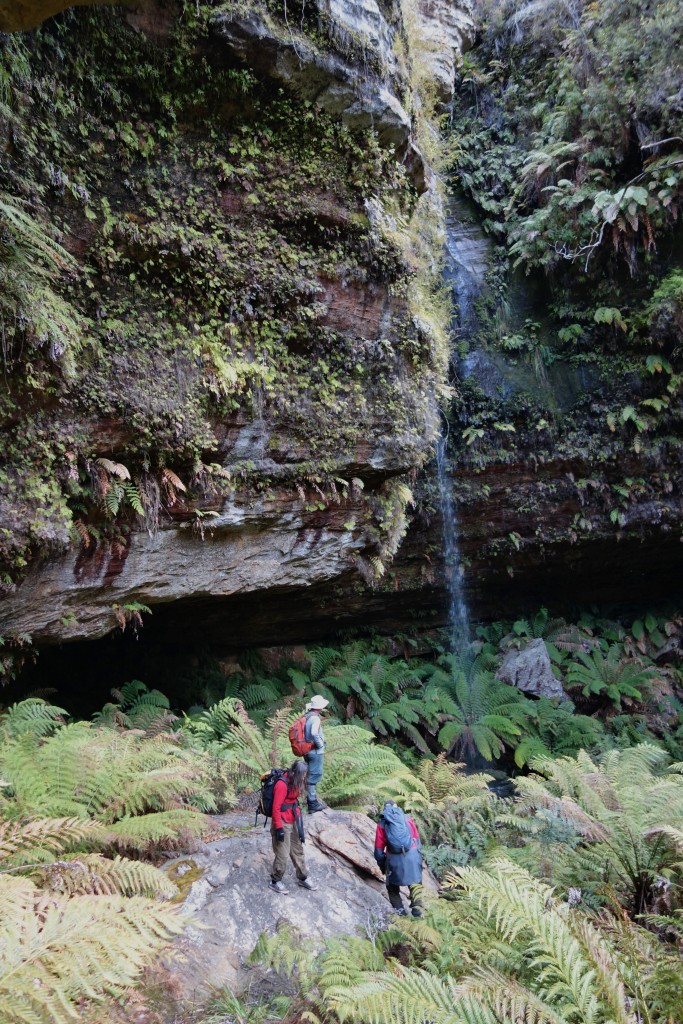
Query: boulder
[531,672]
[230,905]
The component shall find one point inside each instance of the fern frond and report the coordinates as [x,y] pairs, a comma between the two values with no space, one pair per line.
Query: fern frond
[31,716]
[91,873]
[32,842]
[56,950]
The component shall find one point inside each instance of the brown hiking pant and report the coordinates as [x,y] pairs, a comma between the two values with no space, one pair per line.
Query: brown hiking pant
[292,847]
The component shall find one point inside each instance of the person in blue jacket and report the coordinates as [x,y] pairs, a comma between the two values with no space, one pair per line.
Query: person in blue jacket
[404,867]
[314,759]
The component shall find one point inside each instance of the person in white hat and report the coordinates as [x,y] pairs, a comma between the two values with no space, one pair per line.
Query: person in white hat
[314,759]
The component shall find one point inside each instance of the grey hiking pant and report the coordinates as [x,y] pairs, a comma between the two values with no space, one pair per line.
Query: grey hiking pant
[292,847]
[394,893]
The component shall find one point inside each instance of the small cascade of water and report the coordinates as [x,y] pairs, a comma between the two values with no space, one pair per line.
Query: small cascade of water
[458,615]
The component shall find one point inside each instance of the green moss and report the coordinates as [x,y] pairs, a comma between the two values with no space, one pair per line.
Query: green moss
[183,873]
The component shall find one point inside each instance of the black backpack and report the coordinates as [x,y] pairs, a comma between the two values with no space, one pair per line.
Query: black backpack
[265,804]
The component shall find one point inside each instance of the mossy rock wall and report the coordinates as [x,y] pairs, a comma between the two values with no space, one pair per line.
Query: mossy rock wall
[222,345]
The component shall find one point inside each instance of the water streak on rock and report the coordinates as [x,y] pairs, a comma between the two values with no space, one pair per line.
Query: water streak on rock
[467,252]
[458,615]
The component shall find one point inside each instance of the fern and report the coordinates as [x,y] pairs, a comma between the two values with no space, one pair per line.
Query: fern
[625,810]
[488,715]
[107,776]
[613,676]
[138,708]
[56,950]
[91,873]
[32,716]
[32,842]
[358,773]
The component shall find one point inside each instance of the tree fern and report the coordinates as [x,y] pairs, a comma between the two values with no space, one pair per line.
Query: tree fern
[612,676]
[138,708]
[488,715]
[75,925]
[625,808]
[28,843]
[560,638]
[358,773]
[546,963]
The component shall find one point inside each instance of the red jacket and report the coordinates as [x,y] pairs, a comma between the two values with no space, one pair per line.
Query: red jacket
[284,794]
[381,836]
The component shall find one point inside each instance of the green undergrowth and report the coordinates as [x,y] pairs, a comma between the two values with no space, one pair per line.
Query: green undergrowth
[568,140]
[583,852]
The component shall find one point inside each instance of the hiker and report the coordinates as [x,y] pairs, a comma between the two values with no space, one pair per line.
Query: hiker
[397,851]
[307,740]
[287,829]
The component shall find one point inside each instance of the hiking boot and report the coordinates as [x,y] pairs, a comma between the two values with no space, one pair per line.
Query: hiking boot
[306,884]
[278,887]
[318,805]
[417,912]
[399,911]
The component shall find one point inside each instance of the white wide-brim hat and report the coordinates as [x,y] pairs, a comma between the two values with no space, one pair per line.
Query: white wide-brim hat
[317,704]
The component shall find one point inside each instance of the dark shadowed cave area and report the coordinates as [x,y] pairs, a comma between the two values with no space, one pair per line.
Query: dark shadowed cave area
[181,645]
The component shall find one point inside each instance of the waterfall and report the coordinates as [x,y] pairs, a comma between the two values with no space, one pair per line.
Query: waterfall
[458,615]
[467,253]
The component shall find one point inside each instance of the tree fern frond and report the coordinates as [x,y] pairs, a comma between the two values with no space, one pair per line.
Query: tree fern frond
[91,873]
[149,830]
[31,716]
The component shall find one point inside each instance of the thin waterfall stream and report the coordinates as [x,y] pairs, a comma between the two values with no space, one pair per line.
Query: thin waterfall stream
[458,614]
[467,252]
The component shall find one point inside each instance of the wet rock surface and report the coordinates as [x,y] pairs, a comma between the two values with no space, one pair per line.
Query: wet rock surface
[328,79]
[230,905]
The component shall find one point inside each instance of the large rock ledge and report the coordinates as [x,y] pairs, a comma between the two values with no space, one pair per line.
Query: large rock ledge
[270,545]
[358,79]
[336,84]
[230,904]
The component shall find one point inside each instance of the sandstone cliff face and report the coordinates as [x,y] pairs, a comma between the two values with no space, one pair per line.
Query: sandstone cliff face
[240,368]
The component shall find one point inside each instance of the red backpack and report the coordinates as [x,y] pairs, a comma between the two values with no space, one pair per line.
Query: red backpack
[297,737]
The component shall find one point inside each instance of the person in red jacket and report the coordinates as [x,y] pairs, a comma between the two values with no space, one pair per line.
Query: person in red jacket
[287,829]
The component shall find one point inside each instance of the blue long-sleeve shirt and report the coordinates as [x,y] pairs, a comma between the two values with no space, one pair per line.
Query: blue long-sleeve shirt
[314,730]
